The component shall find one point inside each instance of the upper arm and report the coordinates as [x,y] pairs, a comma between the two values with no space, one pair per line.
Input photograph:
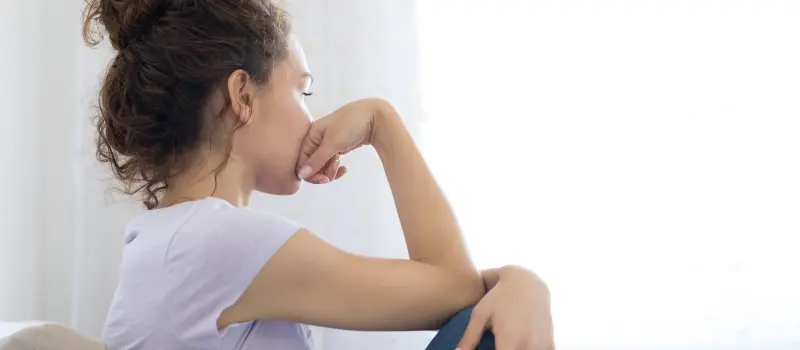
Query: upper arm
[310,281]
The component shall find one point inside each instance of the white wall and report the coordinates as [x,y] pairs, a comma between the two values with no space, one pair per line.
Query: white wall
[19,154]
[60,239]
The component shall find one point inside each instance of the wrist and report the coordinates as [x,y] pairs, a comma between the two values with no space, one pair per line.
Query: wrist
[522,275]
[385,124]
[514,270]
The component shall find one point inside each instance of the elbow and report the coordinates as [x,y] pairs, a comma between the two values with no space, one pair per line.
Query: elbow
[463,278]
[465,290]
[461,285]
[469,282]
[472,290]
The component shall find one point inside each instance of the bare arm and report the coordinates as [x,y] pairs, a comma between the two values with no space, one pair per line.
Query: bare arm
[310,281]
[431,229]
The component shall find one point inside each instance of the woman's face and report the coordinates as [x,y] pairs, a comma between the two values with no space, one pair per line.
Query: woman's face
[270,142]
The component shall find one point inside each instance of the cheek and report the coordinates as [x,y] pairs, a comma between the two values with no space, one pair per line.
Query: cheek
[289,122]
[280,128]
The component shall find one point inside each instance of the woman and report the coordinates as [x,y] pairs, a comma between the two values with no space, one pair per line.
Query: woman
[204,104]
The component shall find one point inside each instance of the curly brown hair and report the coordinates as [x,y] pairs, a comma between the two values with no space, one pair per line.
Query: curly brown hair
[170,55]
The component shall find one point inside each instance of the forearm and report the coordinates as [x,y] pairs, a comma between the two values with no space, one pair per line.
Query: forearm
[430,227]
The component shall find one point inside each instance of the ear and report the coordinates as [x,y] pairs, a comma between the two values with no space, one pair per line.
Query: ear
[240,94]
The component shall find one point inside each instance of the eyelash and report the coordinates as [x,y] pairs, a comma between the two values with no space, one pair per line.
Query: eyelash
[307,93]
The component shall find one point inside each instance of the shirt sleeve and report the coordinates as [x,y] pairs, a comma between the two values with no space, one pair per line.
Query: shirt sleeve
[210,262]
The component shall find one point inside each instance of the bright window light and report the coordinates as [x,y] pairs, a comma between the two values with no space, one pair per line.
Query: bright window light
[642,156]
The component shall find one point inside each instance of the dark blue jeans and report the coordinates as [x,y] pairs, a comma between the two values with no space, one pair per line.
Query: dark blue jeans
[450,334]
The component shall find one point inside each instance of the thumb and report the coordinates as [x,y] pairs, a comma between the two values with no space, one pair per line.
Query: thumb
[472,335]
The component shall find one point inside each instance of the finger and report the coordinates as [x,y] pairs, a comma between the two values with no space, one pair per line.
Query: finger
[332,167]
[542,345]
[316,161]
[310,144]
[339,173]
[318,179]
[314,152]
[529,342]
[505,340]
[472,335]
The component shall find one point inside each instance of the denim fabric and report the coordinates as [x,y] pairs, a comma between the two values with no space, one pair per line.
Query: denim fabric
[450,334]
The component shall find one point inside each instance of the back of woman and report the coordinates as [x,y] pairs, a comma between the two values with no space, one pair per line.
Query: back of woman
[204,104]
[180,271]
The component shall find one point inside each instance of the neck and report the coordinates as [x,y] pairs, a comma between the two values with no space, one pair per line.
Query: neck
[232,184]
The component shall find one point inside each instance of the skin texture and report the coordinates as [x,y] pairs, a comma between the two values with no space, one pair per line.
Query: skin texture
[265,148]
[516,309]
[206,98]
[309,280]
[313,282]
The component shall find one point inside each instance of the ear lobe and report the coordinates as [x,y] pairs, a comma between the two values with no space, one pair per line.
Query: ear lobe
[247,109]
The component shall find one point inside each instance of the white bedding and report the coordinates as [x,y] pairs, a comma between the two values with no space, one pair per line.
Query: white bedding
[38,335]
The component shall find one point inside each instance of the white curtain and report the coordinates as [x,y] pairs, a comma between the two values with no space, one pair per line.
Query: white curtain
[19,165]
[61,229]
[643,156]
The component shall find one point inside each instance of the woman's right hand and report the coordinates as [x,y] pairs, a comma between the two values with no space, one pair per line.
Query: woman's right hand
[349,127]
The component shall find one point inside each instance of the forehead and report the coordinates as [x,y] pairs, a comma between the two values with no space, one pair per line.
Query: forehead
[297,57]
[293,70]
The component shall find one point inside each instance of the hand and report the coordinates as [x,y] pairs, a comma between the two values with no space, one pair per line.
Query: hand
[516,309]
[342,131]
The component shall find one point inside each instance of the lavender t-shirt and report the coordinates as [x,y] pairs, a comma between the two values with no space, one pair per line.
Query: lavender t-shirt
[183,265]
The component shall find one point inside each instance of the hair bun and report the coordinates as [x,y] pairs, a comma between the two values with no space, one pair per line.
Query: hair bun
[173,57]
[123,20]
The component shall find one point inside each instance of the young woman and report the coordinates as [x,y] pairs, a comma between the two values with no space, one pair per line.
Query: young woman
[204,104]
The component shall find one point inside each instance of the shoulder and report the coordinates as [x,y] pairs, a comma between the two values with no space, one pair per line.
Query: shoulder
[223,238]
[220,225]
[215,214]
[213,258]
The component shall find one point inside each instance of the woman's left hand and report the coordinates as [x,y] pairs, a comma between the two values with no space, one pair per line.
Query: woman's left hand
[516,309]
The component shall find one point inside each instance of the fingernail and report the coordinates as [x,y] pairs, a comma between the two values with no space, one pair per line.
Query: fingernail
[325,180]
[304,172]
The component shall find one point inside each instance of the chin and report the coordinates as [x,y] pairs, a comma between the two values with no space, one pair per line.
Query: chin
[286,188]
[293,188]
